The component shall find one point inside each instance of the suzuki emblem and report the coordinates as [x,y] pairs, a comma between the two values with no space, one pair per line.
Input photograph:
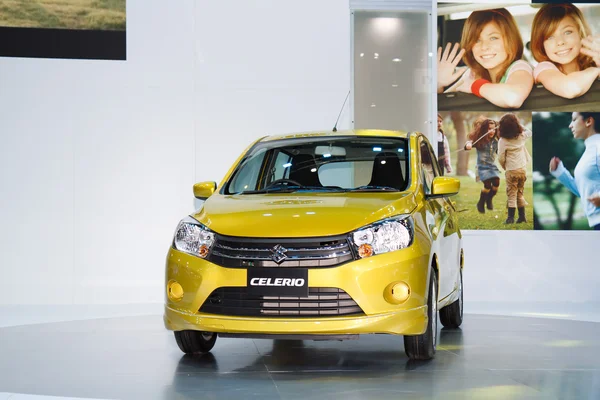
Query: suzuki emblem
[278,253]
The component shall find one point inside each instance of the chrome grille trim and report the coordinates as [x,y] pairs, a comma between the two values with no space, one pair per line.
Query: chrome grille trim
[326,248]
[242,256]
[317,252]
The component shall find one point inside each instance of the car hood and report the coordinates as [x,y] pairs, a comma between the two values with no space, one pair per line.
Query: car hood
[299,215]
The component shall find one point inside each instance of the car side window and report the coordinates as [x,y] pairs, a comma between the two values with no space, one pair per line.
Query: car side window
[428,167]
[247,177]
[436,164]
[281,169]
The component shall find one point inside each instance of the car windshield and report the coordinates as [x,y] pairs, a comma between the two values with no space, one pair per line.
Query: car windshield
[331,164]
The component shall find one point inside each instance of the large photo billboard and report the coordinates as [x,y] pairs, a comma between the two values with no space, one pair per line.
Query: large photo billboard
[525,57]
[518,88]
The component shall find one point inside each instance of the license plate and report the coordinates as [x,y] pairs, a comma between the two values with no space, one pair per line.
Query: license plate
[278,282]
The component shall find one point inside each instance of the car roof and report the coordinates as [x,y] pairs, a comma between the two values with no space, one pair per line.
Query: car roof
[347,132]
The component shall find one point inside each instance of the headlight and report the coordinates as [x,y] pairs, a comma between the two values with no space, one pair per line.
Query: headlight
[383,236]
[193,238]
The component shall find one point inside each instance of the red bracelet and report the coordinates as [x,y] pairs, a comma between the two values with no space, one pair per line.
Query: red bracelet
[476,86]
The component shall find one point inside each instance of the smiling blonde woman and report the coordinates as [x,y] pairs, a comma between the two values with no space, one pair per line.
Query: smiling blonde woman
[492,47]
[557,43]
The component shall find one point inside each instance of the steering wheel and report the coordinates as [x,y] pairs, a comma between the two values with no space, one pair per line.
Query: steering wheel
[281,181]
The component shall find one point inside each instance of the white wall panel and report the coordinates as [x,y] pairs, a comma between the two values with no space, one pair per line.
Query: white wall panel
[36,177]
[269,67]
[132,184]
[531,266]
[97,165]
[230,120]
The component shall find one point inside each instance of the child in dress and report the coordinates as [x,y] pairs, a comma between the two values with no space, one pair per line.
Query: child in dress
[514,157]
[484,138]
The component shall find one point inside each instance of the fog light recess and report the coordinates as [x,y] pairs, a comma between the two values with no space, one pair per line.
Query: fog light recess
[174,291]
[397,292]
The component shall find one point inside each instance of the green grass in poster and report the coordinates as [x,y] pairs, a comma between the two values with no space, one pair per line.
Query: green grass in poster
[64,14]
[547,213]
[466,200]
[470,218]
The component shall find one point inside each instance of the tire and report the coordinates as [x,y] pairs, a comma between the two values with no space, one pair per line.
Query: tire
[451,316]
[195,342]
[422,347]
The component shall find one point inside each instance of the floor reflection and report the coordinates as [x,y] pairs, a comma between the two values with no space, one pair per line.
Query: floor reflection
[136,358]
[371,354]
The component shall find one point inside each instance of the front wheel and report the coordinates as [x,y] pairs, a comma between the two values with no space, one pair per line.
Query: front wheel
[422,347]
[195,342]
[451,316]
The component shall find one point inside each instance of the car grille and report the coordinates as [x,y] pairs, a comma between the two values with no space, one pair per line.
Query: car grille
[233,252]
[321,302]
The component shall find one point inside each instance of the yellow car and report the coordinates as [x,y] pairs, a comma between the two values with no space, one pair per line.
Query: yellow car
[320,235]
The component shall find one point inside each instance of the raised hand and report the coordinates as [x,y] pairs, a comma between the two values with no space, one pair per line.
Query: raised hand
[554,163]
[466,81]
[591,47]
[447,63]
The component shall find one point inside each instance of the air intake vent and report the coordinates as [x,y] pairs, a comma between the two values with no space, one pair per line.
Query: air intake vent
[321,302]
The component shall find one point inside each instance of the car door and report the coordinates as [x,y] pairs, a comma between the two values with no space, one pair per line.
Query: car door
[440,222]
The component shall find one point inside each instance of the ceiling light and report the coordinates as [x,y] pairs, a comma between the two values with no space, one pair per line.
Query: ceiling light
[386,27]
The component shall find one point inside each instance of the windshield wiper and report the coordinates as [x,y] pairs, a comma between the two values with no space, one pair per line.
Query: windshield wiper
[372,188]
[291,189]
[323,188]
[278,189]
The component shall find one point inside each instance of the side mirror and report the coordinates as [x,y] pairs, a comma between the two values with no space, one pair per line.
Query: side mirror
[204,190]
[444,186]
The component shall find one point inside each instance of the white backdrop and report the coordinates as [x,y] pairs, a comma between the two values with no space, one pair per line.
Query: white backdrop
[98,158]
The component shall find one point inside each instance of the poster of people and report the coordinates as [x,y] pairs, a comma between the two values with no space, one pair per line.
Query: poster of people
[519,110]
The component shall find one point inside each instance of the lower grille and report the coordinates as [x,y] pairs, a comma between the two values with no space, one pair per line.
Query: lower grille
[321,302]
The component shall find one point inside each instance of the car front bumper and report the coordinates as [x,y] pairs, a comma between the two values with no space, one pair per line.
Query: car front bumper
[366,281]
[405,322]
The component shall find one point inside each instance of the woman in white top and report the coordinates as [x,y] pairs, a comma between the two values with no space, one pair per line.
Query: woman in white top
[585,183]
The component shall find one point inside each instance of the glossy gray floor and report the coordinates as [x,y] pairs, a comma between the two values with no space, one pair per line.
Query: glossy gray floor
[491,357]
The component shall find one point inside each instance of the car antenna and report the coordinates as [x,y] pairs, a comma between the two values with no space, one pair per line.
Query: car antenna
[338,118]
